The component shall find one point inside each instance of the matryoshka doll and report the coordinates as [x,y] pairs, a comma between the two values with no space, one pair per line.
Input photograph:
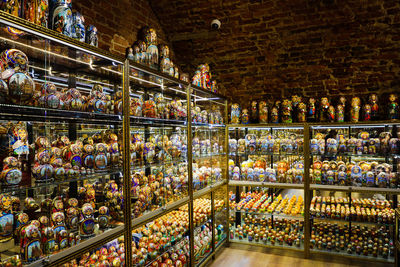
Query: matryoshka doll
[205,76]
[42,13]
[6,218]
[340,113]
[311,110]
[160,106]
[30,243]
[301,112]
[367,112]
[263,112]
[324,109]
[356,175]
[355,109]
[42,170]
[18,139]
[245,116]
[149,108]
[11,174]
[87,221]
[12,7]
[112,142]
[50,98]
[275,114]
[254,112]
[393,107]
[136,107]
[373,102]
[165,62]
[150,37]
[78,27]
[235,113]
[196,80]
[100,158]
[103,219]
[61,19]
[97,100]
[48,241]
[73,100]
[72,213]
[287,111]
[91,36]
[331,113]
[382,179]
[251,143]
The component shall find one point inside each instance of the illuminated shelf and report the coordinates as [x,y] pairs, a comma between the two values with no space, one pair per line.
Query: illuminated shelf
[266,184]
[276,215]
[389,191]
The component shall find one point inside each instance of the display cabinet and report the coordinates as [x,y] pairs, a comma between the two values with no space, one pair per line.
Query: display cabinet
[98,157]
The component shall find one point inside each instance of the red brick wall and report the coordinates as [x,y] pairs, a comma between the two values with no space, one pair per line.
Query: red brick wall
[274,48]
[118,21]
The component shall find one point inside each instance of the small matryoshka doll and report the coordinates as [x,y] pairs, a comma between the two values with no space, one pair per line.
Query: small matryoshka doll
[355,109]
[311,110]
[97,100]
[324,109]
[42,170]
[245,116]
[165,62]
[11,174]
[254,112]
[263,112]
[103,219]
[367,112]
[235,113]
[72,213]
[340,113]
[373,101]
[48,240]
[149,108]
[286,111]
[301,112]
[275,114]
[150,37]
[393,107]
[331,113]
[73,100]
[91,36]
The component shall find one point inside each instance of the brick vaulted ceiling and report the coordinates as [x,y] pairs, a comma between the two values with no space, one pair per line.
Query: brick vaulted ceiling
[268,49]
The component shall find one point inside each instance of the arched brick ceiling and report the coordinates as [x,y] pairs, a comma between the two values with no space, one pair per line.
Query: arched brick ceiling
[276,48]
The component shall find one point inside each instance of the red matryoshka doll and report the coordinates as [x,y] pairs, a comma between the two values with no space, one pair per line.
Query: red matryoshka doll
[367,112]
[31,249]
[87,221]
[311,110]
[245,116]
[150,37]
[263,112]
[324,109]
[355,109]
[254,112]
[286,111]
[373,102]
[165,62]
[149,108]
[11,174]
[205,81]
[301,112]
[393,107]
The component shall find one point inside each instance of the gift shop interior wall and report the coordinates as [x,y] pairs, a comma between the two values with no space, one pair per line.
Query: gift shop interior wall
[278,48]
[118,22]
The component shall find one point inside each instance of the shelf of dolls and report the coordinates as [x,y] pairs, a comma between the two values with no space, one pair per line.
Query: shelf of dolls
[271,215]
[206,156]
[141,165]
[260,153]
[208,189]
[268,125]
[352,256]
[155,121]
[347,221]
[266,184]
[53,183]
[388,191]
[36,114]
[358,156]
[207,125]
[83,247]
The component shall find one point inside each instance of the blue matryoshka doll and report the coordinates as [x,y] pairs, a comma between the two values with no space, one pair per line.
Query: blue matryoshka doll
[235,113]
[150,37]
[78,27]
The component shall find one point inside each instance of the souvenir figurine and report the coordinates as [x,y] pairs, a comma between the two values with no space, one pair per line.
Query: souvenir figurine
[205,76]
[72,213]
[42,13]
[311,110]
[97,100]
[340,113]
[149,108]
[91,36]
[263,112]
[165,62]
[331,114]
[103,218]
[100,158]
[11,174]
[196,80]
[254,112]
[78,27]
[393,107]
[324,109]
[48,241]
[30,244]
[176,73]
[171,70]
[6,218]
[150,36]
[12,7]
[235,113]
[367,112]
[87,222]
[73,100]
[286,111]
[136,107]
[49,97]
[21,88]
[43,171]
[29,10]
[245,116]
[355,109]
[62,20]
[356,175]
[301,112]
[370,179]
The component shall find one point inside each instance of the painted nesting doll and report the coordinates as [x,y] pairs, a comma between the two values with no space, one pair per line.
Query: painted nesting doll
[42,13]
[100,159]
[13,7]
[367,112]
[150,36]
[324,108]
[235,113]
[50,98]
[62,20]
[355,109]
[245,116]
[254,112]
[205,76]
[6,218]
[263,112]
[87,221]
[340,113]
[311,110]
[91,36]
[104,218]
[301,112]
[31,249]
[287,111]
[393,107]
[78,31]
[97,100]
[373,102]
[165,62]
[11,174]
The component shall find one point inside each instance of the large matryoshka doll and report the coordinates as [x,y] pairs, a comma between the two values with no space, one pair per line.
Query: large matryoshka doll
[91,36]
[31,249]
[101,159]
[165,62]
[150,37]
[61,16]
[205,81]
[235,113]
[6,218]
[87,221]
[78,27]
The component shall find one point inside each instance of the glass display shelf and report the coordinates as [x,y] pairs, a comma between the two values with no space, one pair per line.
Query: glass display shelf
[348,221]
[266,184]
[389,191]
[266,214]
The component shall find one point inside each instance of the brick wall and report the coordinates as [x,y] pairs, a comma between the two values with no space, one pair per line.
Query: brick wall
[275,48]
[118,21]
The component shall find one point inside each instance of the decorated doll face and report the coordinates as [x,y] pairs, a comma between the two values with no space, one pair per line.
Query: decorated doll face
[355,101]
[373,98]
[342,100]
[324,101]
[392,98]
[311,100]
